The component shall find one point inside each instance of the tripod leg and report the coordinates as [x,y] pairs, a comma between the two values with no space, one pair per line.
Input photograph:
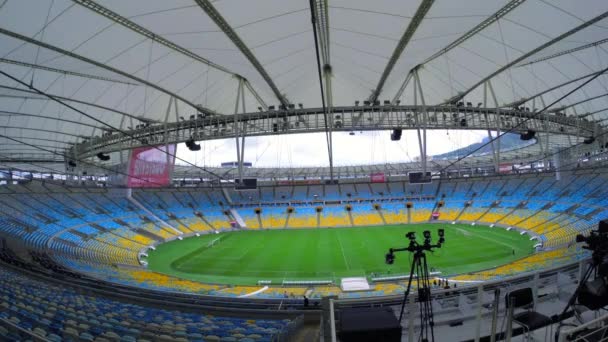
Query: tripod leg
[426,277]
[582,281]
[421,300]
[409,286]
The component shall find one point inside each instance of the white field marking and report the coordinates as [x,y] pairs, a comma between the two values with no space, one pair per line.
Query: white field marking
[342,250]
[464,232]
[254,292]
[201,255]
[496,241]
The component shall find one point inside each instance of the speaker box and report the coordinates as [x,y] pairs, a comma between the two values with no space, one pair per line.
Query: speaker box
[396,135]
[375,324]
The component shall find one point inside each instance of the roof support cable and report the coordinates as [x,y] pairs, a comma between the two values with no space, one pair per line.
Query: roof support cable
[46,23]
[66,156]
[327,133]
[116,129]
[528,54]
[504,47]
[533,116]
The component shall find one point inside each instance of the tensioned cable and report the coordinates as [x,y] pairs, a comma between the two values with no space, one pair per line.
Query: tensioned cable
[78,160]
[506,53]
[106,124]
[37,33]
[567,12]
[46,23]
[162,11]
[563,150]
[527,119]
[290,35]
[313,20]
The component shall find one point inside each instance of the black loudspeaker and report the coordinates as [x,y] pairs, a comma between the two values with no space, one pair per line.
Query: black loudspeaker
[376,324]
[396,134]
[275,127]
[103,157]
[529,135]
[192,145]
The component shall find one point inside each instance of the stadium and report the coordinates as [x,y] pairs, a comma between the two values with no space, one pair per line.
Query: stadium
[282,170]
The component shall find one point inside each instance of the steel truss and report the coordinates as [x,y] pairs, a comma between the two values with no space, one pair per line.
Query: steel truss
[350,118]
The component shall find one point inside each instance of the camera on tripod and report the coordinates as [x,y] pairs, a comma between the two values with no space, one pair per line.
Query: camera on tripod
[594,293]
[419,271]
[414,246]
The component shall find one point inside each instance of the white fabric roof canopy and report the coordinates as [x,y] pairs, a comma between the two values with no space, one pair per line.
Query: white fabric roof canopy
[134,75]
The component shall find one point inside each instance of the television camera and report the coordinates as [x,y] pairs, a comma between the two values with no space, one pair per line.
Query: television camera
[594,293]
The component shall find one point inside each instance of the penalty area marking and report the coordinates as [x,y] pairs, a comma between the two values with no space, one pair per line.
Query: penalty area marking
[464,232]
[254,292]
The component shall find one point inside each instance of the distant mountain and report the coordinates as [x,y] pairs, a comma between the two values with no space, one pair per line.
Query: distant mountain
[508,141]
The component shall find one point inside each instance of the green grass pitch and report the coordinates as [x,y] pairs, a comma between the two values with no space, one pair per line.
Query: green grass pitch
[245,257]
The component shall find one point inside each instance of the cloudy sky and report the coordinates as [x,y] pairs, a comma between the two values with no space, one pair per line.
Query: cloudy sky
[372,147]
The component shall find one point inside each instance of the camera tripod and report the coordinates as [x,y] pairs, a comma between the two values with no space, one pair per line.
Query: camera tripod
[423,282]
[592,269]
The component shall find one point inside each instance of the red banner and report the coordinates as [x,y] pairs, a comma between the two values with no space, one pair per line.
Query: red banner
[377,177]
[505,168]
[151,167]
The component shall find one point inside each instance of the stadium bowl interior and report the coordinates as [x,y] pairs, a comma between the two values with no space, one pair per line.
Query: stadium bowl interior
[130,209]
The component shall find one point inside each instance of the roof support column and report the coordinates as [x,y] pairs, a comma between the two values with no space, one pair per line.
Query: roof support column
[406,81]
[239,128]
[495,148]
[421,123]
[547,135]
[330,116]
[320,21]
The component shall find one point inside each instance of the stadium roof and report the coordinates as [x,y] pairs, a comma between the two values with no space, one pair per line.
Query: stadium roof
[120,62]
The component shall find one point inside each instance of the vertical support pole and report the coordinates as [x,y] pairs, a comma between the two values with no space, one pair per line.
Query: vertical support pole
[237,129]
[329,97]
[546,159]
[491,88]
[495,315]
[243,131]
[120,153]
[478,316]
[166,131]
[421,139]
[509,328]
[402,88]
[492,145]
[332,319]
[167,112]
